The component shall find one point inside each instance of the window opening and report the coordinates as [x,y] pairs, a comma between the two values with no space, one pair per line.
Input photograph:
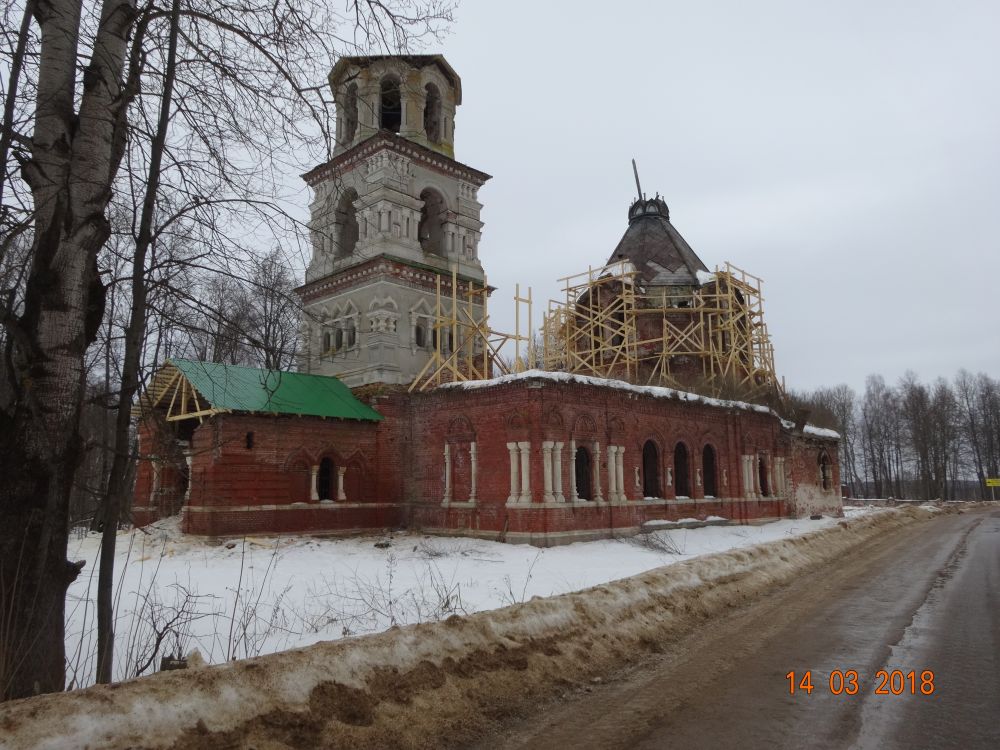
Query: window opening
[324,479]
[350,113]
[249,442]
[708,468]
[650,470]
[432,113]
[682,472]
[347,223]
[391,109]
[765,490]
[583,490]
[430,232]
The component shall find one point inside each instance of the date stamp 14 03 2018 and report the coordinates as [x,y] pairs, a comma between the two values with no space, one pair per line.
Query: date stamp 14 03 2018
[847,682]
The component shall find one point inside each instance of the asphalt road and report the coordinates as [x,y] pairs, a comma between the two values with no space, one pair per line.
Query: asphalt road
[923,599]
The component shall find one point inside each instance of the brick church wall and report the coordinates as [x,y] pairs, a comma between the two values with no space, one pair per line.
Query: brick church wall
[419,466]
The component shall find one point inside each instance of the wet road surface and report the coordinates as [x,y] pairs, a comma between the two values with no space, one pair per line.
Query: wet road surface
[922,599]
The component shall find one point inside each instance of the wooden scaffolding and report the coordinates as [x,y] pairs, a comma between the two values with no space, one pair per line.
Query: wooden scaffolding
[608,325]
[464,345]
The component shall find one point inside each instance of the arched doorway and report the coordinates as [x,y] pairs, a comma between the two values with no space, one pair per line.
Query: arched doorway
[650,470]
[765,487]
[582,467]
[682,471]
[325,479]
[708,469]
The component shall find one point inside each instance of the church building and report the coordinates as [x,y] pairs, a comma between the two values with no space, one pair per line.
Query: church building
[598,442]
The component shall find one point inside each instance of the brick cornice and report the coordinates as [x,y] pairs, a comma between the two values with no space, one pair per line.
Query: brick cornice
[383,141]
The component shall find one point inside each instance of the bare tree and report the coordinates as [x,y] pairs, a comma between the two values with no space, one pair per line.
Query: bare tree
[87,92]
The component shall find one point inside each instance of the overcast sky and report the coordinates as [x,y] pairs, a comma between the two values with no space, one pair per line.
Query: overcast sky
[847,152]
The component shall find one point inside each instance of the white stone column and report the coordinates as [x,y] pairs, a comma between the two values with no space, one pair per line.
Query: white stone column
[670,476]
[612,471]
[313,479]
[189,460]
[620,456]
[155,488]
[557,468]
[525,448]
[473,453]
[341,470]
[547,495]
[598,497]
[447,473]
[697,477]
[572,472]
[515,492]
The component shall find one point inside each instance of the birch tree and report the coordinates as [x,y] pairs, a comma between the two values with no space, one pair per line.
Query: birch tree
[76,72]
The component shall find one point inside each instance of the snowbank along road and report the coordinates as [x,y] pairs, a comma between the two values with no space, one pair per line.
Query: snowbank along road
[709,641]
[895,646]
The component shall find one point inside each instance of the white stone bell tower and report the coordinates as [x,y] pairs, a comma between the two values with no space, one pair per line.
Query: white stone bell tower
[391,212]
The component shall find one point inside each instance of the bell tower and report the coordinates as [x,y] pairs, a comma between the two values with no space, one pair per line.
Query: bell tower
[392,217]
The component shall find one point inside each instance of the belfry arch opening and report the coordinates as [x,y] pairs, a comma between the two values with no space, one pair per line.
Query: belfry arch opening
[432,113]
[432,217]
[581,465]
[710,478]
[390,115]
[650,469]
[682,471]
[350,113]
[347,223]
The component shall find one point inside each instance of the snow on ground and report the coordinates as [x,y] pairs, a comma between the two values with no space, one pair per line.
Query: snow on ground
[249,596]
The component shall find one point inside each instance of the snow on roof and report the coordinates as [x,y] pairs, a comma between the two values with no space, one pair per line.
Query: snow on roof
[704,277]
[822,432]
[656,391]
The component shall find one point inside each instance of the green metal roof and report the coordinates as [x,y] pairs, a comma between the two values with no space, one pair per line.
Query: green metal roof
[249,389]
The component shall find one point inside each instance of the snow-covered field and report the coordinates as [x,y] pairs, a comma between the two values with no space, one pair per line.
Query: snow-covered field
[250,596]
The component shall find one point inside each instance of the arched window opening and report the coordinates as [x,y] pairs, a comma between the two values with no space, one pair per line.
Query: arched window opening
[327,342]
[350,114]
[825,471]
[324,479]
[347,223]
[650,470]
[582,468]
[390,106]
[430,232]
[338,339]
[418,335]
[432,113]
[765,488]
[351,335]
[708,469]
[682,471]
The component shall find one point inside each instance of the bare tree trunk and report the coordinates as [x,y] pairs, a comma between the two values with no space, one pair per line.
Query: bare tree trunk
[134,338]
[72,161]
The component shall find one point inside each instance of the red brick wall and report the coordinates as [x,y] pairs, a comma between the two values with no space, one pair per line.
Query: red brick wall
[396,473]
